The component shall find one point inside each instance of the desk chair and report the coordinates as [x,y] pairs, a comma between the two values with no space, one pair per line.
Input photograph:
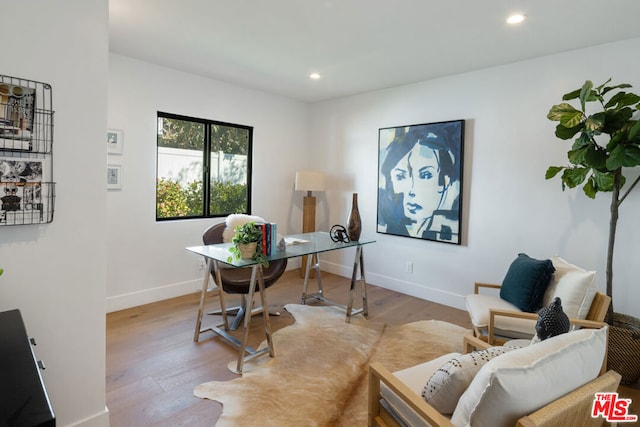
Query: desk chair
[237,280]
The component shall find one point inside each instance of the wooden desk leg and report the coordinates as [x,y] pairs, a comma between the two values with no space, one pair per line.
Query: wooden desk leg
[203,295]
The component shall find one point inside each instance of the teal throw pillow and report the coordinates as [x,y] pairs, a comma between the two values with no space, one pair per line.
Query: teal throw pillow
[526,281]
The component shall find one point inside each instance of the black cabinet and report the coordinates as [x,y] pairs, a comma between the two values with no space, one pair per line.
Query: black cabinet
[23,397]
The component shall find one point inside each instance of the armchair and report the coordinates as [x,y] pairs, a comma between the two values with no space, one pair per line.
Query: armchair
[558,376]
[573,285]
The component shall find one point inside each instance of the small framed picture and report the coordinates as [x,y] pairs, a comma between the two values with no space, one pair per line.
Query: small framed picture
[114,141]
[114,177]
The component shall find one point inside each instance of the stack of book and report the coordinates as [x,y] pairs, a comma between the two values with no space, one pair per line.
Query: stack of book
[269,237]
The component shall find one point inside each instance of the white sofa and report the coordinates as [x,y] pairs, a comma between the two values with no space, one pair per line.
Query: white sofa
[505,389]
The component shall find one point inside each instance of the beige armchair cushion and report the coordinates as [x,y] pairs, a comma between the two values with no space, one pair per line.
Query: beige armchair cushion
[501,392]
[413,377]
[575,287]
[478,307]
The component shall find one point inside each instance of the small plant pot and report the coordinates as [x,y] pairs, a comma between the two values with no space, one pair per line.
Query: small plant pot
[247,250]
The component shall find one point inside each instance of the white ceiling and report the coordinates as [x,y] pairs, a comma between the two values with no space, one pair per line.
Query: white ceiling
[356,45]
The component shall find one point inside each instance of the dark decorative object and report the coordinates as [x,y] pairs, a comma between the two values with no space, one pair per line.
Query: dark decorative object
[339,234]
[420,181]
[354,225]
[552,320]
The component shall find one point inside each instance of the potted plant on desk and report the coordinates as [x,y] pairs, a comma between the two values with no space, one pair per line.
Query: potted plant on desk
[608,142]
[247,243]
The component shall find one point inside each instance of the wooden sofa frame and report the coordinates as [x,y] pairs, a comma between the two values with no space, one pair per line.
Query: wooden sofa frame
[597,313]
[572,409]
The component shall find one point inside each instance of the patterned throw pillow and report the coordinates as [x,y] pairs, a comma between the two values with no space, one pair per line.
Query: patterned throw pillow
[447,384]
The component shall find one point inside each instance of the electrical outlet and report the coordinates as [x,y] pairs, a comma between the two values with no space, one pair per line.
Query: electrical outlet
[408,267]
[202,265]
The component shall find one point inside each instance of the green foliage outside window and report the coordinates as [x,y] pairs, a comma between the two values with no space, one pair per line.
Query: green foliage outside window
[174,201]
[198,158]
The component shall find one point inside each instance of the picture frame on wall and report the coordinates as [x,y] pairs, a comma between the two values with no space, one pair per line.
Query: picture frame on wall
[115,141]
[420,171]
[114,177]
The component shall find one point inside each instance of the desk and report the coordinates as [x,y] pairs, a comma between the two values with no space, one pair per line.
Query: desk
[310,244]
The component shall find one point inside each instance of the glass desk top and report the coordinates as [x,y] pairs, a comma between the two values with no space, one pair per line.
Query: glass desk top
[304,244]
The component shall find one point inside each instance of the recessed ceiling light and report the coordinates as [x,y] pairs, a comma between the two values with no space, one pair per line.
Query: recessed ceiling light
[515,19]
[314,76]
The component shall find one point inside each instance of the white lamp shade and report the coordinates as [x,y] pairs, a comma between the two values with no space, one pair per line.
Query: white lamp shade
[309,181]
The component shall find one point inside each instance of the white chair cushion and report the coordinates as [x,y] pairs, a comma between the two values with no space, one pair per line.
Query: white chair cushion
[575,287]
[234,220]
[445,386]
[523,380]
[478,306]
[414,378]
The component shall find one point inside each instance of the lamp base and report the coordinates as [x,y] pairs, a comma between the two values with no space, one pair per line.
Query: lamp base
[308,226]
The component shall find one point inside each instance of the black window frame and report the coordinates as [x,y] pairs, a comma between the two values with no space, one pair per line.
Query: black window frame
[206,166]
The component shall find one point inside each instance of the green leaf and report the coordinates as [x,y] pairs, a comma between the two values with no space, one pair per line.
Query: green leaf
[603,180]
[586,93]
[595,122]
[595,157]
[552,171]
[610,88]
[599,88]
[623,99]
[574,176]
[616,119]
[571,95]
[577,157]
[584,140]
[633,131]
[623,155]
[565,133]
[590,189]
[558,111]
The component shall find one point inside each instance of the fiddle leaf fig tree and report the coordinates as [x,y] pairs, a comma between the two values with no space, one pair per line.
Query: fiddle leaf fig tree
[607,140]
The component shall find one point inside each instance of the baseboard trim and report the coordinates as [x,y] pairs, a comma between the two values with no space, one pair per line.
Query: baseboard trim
[408,288]
[101,419]
[147,296]
[161,293]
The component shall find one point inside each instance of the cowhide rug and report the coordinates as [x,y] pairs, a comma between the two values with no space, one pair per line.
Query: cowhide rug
[319,375]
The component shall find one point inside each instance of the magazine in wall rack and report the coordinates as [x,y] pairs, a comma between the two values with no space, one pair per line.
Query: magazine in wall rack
[17,108]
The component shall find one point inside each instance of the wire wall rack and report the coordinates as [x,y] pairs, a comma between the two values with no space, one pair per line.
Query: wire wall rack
[27,189]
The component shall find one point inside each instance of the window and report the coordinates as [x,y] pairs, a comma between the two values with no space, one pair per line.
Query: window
[203,168]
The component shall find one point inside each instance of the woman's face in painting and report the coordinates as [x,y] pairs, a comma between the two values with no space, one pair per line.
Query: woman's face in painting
[416,177]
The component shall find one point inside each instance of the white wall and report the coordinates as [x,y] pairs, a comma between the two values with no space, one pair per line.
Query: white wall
[56,273]
[508,205]
[147,260]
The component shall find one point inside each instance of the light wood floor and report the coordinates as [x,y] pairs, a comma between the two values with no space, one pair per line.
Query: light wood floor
[153,364]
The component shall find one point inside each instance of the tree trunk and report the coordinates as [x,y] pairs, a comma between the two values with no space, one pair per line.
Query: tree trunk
[613,222]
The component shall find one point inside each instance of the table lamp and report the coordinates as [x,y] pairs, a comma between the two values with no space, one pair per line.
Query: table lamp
[309,181]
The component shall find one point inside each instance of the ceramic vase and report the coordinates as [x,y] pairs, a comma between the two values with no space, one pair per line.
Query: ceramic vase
[354,225]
